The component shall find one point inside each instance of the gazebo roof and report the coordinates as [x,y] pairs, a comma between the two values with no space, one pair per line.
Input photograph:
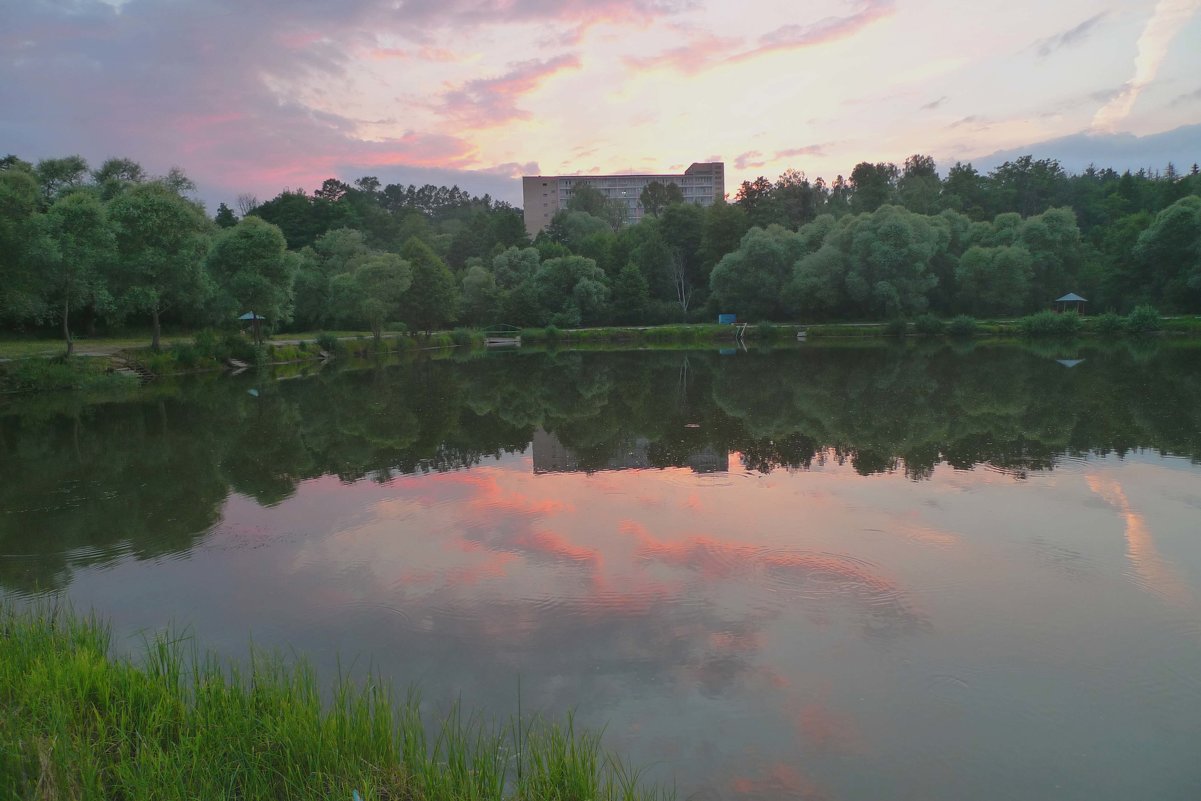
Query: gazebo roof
[1071,297]
[252,316]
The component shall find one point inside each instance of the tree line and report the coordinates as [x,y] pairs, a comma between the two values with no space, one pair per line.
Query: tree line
[83,248]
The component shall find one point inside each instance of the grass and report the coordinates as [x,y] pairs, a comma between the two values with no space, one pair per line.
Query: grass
[59,374]
[78,723]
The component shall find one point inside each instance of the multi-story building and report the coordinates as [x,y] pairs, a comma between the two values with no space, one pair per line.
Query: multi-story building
[702,183]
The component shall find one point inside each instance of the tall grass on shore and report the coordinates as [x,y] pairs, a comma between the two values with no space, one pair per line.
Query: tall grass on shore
[76,723]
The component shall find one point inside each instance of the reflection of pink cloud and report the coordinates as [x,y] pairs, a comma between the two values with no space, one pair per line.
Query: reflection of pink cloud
[823,730]
[781,781]
[548,543]
[1154,572]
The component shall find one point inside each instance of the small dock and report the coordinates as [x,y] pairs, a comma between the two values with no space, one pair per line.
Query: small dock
[502,336]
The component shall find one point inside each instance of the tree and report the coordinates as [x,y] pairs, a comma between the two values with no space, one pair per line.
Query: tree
[515,266]
[20,197]
[478,300]
[874,185]
[225,217]
[571,291]
[161,242]
[750,280]
[993,280]
[964,191]
[725,225]
[1168,254]
[114,176]
[656,197]
[56,175]
[432,298]
[77,244]
[253,270]
[918,187]
[630,295]
[375,290]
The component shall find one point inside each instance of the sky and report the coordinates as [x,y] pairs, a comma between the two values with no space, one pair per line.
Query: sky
[261,95]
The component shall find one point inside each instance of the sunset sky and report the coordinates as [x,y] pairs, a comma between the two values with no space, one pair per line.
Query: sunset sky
[257,95]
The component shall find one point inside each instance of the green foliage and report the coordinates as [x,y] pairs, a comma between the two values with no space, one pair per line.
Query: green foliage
[183,725]
[1109,323]
[962,325]
[57,375]
[1050,324]
[1143,320]
[465,337]
[631,295]
[929,325]
[253,271]
[329,343]
[766,331]
[432,298]
[896,327]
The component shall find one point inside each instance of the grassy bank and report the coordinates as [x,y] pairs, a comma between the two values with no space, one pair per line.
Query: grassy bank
[76,723]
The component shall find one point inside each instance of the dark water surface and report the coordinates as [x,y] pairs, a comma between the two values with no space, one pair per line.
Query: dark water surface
[827,572]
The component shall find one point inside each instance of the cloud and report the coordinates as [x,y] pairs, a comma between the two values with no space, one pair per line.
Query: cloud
[807,150]
[933,104]
[706,50]
[1166,22]
[749,160]
[1079,33]
[487,102]
[1187,97]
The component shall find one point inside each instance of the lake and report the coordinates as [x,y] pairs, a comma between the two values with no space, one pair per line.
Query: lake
[834,571]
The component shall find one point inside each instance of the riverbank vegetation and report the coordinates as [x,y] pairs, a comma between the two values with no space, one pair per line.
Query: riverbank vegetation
[80,723]
[95,250]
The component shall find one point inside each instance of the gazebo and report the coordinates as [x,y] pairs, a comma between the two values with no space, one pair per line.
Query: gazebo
[257,320]
[1070,302]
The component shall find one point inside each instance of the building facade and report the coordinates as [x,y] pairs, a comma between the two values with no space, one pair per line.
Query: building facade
[703,183]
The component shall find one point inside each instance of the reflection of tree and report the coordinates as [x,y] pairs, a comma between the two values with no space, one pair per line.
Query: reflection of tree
[83,484]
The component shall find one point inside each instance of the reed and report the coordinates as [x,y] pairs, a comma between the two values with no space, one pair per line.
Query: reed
[78,723]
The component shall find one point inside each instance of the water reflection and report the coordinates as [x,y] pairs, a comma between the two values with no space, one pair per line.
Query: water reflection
[775,574]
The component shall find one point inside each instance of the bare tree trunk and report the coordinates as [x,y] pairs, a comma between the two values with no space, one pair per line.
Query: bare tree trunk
[67,327]
[157,330]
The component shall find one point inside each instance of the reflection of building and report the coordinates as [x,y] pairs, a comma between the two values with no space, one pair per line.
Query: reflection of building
[543,195]
[551,456]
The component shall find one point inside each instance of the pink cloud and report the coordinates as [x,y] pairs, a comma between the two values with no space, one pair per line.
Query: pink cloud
[706,50]
[487,102]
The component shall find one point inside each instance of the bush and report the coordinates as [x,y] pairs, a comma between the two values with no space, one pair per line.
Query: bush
[929,325]
[239,347]
[1143,320]
[552,332]
[766,331]
[463,337]
[185,355]
[1050,324]
[962,325]
[896,327]
[328,343]
[1109,323]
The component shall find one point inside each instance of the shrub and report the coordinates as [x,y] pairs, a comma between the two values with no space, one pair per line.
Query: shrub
[766,331]
[896,327]
[239,347]
[328,342]
[209,345]
[929,325]
[1109,323]
[962,325]
[185,355]
[552,332]
[1143,320]
[463,337]
[1049,324]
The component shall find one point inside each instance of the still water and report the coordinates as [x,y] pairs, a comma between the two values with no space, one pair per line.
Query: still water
[855,572]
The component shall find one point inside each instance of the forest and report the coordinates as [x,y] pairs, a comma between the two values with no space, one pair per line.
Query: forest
[85,251]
